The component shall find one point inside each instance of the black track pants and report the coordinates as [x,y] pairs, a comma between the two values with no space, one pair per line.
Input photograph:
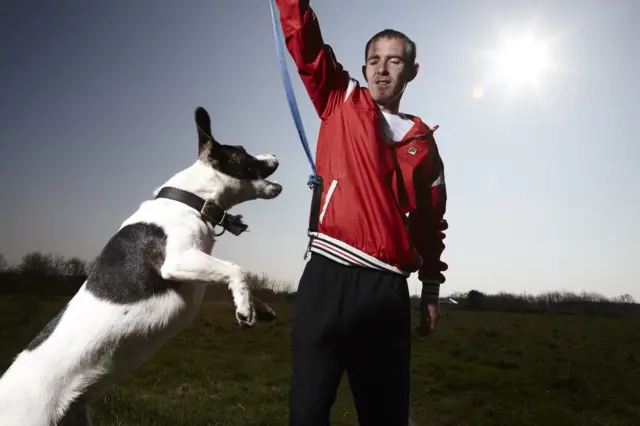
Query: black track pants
[355,320]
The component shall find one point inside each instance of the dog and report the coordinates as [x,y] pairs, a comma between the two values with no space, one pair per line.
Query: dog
[145,286]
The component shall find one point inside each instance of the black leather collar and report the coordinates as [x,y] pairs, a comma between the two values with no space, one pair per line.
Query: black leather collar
[209,211]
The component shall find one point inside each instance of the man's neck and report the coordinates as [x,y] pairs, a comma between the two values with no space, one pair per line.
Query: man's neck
[390,108]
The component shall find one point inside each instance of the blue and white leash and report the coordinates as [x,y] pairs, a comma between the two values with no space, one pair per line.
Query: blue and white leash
[314,179]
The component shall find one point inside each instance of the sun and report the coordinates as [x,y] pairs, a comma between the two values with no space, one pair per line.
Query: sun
[521,61]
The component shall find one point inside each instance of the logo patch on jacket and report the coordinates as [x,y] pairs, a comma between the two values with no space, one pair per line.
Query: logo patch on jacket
[413,150]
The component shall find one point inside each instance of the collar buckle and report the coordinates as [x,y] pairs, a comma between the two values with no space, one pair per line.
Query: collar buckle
[203,212]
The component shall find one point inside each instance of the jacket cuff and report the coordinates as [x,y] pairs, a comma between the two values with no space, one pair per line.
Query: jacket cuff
[430,289]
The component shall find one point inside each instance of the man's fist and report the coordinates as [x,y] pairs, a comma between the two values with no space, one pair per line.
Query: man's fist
[429,315]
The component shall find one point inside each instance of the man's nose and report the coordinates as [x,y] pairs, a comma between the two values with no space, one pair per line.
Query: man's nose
[382,69]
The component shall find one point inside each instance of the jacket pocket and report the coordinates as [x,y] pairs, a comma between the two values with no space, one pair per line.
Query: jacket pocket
[327,199]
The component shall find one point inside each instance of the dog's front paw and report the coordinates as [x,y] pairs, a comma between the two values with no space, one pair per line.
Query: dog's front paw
[246,314]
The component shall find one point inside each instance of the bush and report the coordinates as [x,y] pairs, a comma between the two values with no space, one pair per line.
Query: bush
[475,300]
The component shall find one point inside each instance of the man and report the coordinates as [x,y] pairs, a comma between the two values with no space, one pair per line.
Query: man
[380,218]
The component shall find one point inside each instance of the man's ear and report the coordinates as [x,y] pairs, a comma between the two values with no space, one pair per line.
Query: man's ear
[364,73]
[413,72]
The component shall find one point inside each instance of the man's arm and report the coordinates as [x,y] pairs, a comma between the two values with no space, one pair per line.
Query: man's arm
[427,225]
[323,76]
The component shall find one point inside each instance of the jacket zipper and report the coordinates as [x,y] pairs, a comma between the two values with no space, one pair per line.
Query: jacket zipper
[332,188]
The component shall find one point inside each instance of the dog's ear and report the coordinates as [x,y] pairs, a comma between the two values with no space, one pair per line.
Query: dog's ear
[203,125]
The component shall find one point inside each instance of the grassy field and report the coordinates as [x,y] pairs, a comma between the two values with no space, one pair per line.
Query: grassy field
[478,369]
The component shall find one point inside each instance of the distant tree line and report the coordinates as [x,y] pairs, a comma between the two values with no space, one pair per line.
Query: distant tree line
[567,302]
[50,274]
[43,274]
[54,275]
[46,264]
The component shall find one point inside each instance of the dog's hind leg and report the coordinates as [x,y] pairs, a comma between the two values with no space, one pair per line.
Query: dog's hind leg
[263,311]
[198,267]
[78,414]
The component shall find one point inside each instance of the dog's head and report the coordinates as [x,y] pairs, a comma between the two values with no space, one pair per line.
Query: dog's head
[244,176]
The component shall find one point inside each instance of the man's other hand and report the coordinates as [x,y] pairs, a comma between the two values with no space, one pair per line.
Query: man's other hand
[429,315]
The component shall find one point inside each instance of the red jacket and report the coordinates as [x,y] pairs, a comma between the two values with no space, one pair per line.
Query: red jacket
[382,206]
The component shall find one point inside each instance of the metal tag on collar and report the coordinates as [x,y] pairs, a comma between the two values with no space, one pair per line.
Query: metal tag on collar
[234,225]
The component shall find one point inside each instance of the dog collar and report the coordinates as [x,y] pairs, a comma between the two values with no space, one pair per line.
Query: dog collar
[209,211]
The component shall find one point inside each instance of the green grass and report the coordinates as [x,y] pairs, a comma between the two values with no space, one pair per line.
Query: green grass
[477,369]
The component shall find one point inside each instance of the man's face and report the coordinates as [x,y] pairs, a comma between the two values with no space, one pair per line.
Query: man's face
[387,71]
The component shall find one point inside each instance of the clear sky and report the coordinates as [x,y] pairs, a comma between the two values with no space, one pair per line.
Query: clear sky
[97,111]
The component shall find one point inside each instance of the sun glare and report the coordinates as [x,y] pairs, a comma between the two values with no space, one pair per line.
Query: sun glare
[521,61]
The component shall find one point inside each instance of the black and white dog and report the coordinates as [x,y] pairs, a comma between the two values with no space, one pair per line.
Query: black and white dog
[147,284]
